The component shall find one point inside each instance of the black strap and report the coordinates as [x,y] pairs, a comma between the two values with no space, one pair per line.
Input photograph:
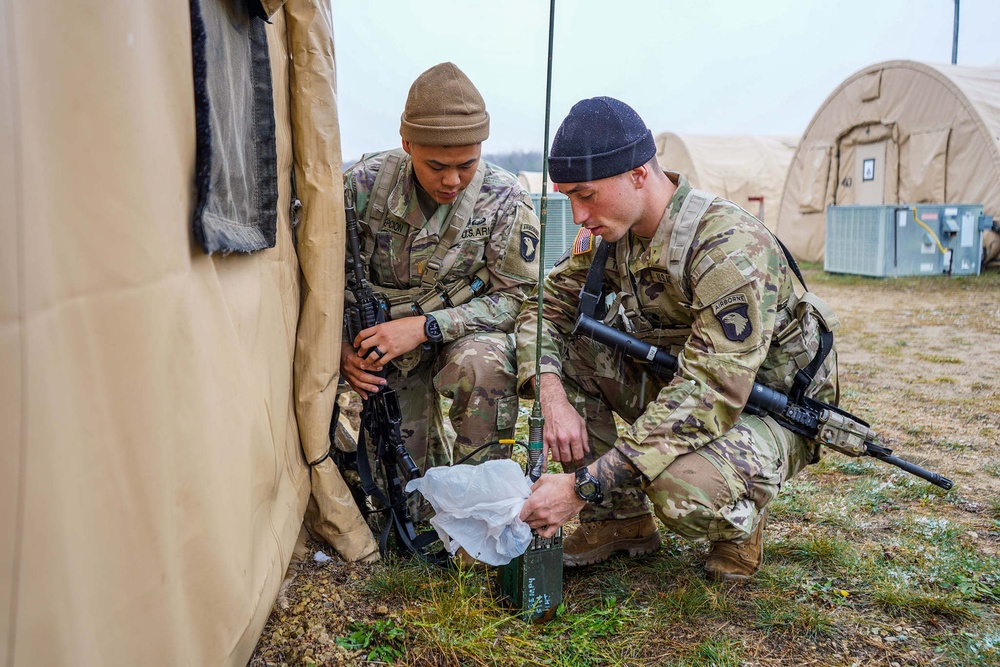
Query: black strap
[791,261]
[406,534]
[592,293]
[805,376]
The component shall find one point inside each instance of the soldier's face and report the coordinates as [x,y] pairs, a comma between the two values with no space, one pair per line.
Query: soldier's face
[444,171]
[607,207]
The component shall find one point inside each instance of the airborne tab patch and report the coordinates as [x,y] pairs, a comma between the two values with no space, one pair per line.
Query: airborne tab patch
[731,311]
[584,242]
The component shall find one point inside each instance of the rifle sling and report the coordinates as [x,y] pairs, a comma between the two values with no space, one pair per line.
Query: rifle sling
[398,516]
[592,292]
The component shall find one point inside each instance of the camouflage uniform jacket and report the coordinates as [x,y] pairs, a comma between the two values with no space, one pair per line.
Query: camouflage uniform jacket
[502,234]
[739,283]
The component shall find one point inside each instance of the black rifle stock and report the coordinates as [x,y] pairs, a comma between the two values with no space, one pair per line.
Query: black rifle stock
[813,419]
[381,417]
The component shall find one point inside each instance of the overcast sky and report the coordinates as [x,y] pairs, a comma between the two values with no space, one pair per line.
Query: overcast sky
[689,66]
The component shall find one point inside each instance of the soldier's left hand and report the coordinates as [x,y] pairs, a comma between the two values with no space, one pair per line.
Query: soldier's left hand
[388,340]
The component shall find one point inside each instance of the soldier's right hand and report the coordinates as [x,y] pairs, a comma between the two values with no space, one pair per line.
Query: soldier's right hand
[565,430]
[362,381]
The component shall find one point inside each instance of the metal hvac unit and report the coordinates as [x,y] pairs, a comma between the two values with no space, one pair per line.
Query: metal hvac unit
[901,240]
[559,228]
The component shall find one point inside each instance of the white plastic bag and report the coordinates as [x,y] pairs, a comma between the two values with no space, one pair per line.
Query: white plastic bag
[478,507]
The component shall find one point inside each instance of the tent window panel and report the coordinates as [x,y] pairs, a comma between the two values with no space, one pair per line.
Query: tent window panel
[923,164]
[815,175]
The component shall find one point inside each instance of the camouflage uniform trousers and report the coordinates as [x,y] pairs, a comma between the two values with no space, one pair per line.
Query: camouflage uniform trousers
[713,493]
[477,372]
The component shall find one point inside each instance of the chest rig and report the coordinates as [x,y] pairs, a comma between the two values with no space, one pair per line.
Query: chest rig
[432,293]
[803,326]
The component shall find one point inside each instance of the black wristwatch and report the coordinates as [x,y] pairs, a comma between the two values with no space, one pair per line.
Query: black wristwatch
[432,330]
[587,486]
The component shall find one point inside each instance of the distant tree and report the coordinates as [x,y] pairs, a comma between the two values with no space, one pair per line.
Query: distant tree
[517,161]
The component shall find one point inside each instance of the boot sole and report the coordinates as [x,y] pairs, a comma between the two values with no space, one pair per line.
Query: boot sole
[634,547]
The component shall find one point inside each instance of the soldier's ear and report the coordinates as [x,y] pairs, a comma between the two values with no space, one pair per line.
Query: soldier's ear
[407,146]
[638,176]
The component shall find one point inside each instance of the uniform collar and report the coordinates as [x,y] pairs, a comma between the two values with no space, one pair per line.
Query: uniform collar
[402,201]
[657,253]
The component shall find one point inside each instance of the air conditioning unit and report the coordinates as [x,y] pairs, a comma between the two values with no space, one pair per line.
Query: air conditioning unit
[901,240]
[560,232]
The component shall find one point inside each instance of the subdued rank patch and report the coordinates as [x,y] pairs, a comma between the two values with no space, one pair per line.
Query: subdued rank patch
[529,244]
[584,242]
[731,311]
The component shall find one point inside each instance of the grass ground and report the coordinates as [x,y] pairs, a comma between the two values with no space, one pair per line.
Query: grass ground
[864,564]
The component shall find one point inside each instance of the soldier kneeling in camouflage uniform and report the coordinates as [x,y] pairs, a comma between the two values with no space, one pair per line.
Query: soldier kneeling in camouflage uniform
[450,241]
[703,279]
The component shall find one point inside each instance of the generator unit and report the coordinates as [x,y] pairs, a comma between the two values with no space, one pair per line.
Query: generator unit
[905,240]
[560,232]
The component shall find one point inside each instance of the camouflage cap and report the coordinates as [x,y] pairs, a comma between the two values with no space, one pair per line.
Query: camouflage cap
[444,108]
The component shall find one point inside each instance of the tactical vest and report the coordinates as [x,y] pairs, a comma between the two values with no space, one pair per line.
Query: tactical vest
[799,325]
[432,294]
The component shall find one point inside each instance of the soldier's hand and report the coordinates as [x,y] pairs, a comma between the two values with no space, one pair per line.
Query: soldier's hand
[565,430]
[552,503]
[380,344]
[360,379]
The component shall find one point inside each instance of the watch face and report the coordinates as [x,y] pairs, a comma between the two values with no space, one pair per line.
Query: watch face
[432,330]
[586,487]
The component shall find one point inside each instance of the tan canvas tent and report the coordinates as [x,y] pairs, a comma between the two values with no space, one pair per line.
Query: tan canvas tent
[745,169]
[928,133]
[157,405]
[532,181]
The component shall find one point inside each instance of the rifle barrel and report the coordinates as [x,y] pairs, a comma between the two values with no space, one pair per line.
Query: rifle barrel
[913,469]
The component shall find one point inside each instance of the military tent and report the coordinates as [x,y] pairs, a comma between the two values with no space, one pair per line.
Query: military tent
[745,169]
[532,181]
[159,405]
[927,133]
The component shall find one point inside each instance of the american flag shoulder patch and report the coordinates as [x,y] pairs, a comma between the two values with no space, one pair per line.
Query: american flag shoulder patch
[584,242]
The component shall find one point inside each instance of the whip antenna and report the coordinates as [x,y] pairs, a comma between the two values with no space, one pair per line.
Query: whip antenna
[536,422]
[532,582]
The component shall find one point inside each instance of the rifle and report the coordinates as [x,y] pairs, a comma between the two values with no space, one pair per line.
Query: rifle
[380,423]
[824,423]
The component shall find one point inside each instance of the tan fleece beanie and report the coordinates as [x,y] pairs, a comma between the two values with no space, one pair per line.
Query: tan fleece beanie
[444,109]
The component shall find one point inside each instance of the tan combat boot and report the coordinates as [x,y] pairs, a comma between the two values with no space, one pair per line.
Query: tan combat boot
[738,561]
[596,541]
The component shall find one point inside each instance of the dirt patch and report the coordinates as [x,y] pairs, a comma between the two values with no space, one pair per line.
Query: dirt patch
[921,361]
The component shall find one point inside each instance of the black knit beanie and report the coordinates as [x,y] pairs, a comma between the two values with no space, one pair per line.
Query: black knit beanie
[600,137]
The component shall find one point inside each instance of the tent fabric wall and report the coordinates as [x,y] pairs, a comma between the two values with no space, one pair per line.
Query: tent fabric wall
[321,234]
[745,169]
[939,126]
[532,181]
[152,482]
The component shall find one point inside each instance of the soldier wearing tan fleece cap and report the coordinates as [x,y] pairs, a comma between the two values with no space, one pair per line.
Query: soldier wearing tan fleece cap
[451,242]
